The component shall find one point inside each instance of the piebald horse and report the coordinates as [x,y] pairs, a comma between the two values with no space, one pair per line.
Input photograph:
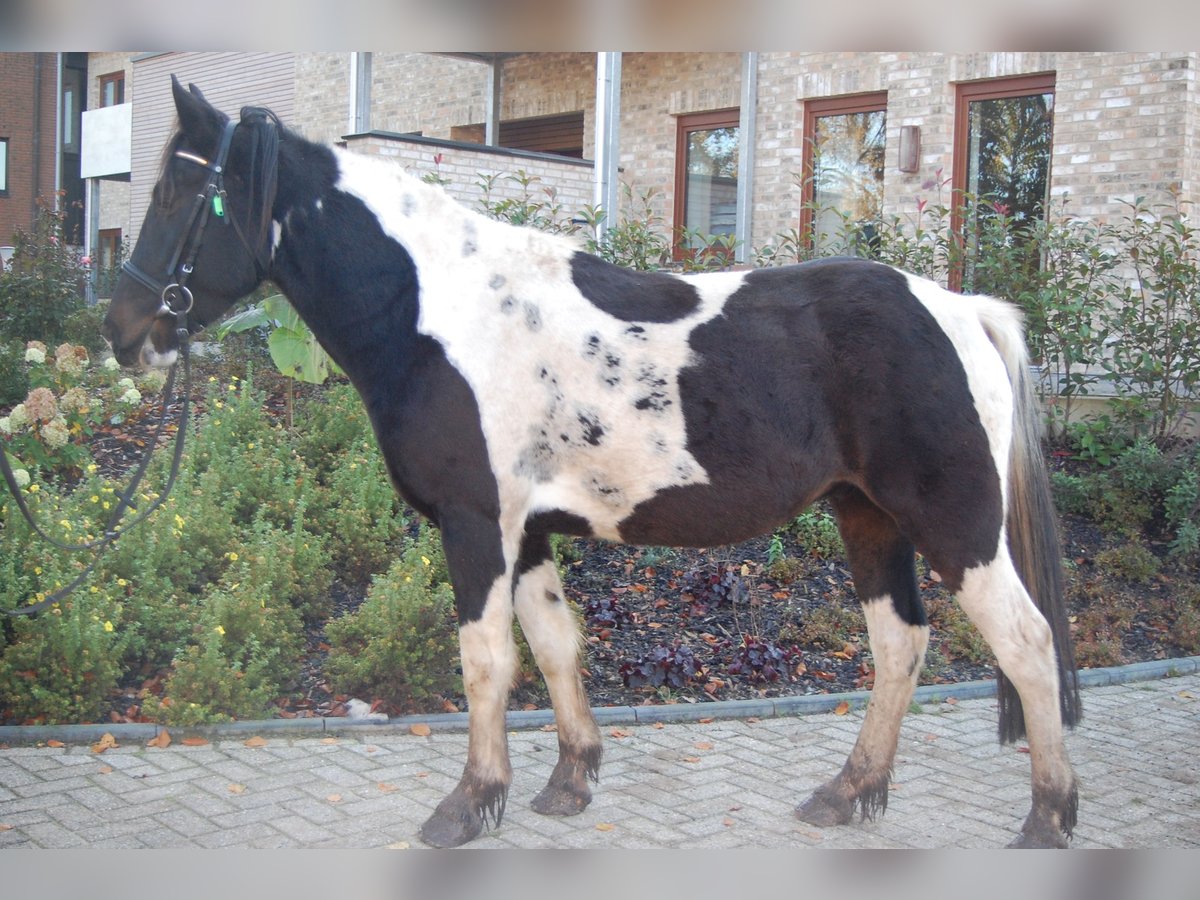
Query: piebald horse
[520,387]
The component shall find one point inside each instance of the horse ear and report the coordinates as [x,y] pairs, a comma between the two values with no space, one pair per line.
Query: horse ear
[198,118]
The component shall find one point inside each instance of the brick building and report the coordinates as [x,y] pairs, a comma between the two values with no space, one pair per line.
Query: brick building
[28,129]
[733,142]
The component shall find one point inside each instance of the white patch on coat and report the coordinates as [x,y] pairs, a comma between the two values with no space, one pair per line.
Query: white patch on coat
[962,318]
[898,649]
[154,359]
[581,410]
[553,634]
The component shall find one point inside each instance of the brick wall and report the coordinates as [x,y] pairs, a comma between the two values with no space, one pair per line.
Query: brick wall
[464,167]
[1125,123]
[21,114]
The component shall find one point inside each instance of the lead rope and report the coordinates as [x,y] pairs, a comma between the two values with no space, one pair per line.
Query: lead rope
[114,529]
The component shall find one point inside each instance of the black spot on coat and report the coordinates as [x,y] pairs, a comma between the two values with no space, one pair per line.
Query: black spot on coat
[632,296]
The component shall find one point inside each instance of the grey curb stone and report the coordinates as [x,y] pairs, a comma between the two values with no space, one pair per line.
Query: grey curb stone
[18,735]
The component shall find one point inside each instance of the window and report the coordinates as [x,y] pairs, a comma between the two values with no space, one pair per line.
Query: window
[706,184]
[1002,140]
[844,139]
[3,166]
[112,89]
[561,134]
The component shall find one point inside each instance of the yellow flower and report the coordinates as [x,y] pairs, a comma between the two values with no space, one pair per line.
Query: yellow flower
[37,570]
[33,488]
[95,498]
[250,446]
[178,520]
[122,582]
[232,557]
[219,404]
[408,579]
[66,525]
[425,559]
[108,626]
[212,379]
[220,629]
[92,467]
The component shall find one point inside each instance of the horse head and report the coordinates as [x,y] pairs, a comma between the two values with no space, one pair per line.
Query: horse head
[205,240]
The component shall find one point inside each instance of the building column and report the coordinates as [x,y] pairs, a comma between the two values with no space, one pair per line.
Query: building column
[608,127]
[747,124]
[360,93]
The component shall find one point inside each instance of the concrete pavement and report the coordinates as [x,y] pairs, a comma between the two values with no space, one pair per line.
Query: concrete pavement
[721,783]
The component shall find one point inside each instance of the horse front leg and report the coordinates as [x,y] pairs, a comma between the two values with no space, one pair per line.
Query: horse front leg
[553,634]
[483,598]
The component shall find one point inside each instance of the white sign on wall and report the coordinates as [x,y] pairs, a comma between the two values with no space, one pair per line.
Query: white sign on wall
[107,141]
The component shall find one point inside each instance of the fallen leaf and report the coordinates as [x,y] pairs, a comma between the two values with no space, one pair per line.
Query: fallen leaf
[1187,695]
[334,798]
[705,720]
[399,845]
[658,725]
[781,595]
[387,788]
[727,822]
[691,759]
[702,745]
[55,744]
[255,742]
[421,730]
[237,789]
[5,827]
[107,742]
[329,740]
[162,740]
[842,708]
[448,706]
[194,742]
[106,770]
[1022,749]
[605,826]
[620,733]
[551,727]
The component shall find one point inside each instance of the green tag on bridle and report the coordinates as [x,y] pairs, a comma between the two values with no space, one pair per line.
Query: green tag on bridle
[218,205]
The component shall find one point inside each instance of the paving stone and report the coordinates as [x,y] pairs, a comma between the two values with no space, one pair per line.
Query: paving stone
[954,785]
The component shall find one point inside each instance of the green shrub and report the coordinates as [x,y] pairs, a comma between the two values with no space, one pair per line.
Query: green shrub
[816,531]
[954,634]
[42,287]
[61,666]
[14,379]
[1186,630]
[1132,561]
[245,652]
[400,646]
[363,516]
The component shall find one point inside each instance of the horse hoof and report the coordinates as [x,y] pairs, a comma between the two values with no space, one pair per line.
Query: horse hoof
[446,828]
[824,811]
[556,800]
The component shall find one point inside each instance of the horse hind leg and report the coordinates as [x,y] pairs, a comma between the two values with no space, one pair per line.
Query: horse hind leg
[994,598]
[553,634]
[883,564]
